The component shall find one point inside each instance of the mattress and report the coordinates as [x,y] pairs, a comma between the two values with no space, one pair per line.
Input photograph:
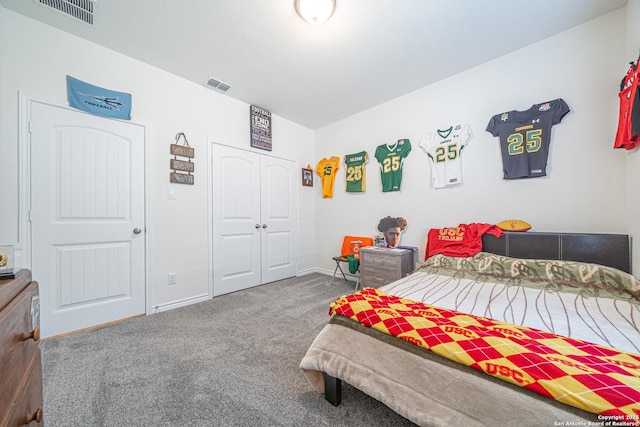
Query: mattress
[579,300]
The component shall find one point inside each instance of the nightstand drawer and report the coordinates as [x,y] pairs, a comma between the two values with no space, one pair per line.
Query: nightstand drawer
[380,261]
[379,277]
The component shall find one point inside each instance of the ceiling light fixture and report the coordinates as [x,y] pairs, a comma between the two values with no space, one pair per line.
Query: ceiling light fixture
[315,11]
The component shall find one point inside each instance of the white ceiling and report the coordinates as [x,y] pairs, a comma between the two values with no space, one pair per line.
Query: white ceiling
[369,52]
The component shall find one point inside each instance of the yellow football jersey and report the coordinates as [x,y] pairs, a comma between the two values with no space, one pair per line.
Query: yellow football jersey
[327,170]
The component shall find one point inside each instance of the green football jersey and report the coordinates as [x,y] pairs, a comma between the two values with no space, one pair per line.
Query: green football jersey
[356,172]
[391,158]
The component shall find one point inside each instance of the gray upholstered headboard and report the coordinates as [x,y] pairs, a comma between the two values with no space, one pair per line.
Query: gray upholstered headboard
[613,250]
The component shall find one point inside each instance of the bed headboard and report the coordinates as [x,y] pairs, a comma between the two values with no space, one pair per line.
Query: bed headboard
[613,250]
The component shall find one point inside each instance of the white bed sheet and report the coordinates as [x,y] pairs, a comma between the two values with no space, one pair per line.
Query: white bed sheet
[599,320]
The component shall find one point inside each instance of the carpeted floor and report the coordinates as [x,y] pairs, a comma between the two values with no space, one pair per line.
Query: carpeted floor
[230,361]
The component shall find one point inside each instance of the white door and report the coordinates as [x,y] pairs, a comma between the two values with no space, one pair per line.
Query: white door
[277,213]
[87,218]
[254,220]
[236,219]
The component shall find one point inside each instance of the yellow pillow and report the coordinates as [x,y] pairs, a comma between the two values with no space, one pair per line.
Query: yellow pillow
[514,225]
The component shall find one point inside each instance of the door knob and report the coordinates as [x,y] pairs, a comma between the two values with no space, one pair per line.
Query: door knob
[264,225]
[257,226]
[137,231]
[34,335]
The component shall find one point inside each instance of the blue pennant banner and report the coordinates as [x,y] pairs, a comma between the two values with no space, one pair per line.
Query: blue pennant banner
[97,100]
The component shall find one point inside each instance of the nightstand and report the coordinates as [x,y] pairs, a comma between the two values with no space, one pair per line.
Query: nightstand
[380,266]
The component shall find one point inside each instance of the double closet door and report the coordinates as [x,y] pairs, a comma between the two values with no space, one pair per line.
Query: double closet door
[254,238]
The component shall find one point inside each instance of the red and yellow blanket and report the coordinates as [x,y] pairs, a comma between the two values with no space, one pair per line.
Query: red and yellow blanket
[592,377]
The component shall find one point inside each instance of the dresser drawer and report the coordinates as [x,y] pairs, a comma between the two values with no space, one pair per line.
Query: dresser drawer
[378,277]
[380,261]
[28,404]
[9,289]
[16,351]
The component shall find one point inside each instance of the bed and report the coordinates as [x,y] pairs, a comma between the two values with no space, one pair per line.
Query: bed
[569,284]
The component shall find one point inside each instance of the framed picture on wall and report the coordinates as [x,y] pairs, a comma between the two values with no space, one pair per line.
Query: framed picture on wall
[307,177]
[260,128]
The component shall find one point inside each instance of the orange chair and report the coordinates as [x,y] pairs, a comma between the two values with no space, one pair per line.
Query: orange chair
[350,247]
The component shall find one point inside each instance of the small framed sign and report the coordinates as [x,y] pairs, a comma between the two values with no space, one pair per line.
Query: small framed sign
[260,128]
[178,176]
[307,177]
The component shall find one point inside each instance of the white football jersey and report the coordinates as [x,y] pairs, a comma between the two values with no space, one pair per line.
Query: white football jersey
[444,148]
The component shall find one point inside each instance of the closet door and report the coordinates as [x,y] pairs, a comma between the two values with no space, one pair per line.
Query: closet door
[236,220]
[254,219]
[278,216]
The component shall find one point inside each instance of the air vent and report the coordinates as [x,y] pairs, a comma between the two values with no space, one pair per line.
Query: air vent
[217,84]
[82,10]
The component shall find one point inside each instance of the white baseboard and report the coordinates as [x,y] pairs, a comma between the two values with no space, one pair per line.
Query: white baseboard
[180,303]
[204,297]
[307,271]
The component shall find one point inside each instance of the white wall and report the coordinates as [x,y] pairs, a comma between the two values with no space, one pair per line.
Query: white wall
[8,157]
[632,52]
[585,190]
[35,59]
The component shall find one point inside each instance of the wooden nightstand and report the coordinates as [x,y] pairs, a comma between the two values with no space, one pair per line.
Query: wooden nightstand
[380,266]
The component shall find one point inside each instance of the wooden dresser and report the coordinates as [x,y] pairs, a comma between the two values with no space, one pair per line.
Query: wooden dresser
[380,266]
[20,363]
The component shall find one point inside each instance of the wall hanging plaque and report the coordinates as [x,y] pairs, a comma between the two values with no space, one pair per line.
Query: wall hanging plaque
[260,128]
[182,150]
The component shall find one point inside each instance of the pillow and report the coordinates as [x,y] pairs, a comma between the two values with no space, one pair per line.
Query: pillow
[587,278]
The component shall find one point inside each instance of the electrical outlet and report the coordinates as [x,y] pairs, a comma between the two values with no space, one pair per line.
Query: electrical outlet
[172,278]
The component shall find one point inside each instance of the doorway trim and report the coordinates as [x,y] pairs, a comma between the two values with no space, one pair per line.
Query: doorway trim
[23,250]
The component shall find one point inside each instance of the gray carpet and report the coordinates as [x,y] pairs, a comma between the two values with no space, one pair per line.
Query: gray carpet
[230,361]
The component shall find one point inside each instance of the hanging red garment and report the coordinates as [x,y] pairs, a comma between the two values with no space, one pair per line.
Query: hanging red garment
[462,241]
[628,133]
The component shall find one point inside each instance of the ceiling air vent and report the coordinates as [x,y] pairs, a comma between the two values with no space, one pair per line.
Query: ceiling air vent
[217,84]
[82,10]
